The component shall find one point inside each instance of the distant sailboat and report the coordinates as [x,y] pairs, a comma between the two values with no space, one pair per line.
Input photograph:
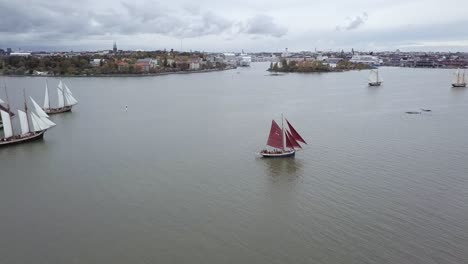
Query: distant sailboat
[285,142]
[40,124]
[374,78]
[65,100]
[459,79]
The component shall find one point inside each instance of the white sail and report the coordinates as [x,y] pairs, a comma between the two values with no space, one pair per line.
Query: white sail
[1,101]
[456,77]
[46,98]
[38,123]
[38,109]
[69,100]
[23,122]
[47,121]
[7,128]
[35,123]
[67,89]
[373,76]
[69,96]
[61,103]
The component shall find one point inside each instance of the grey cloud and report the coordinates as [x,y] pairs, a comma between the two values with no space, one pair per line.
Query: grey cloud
[62,21]
[263,25]
[354,23]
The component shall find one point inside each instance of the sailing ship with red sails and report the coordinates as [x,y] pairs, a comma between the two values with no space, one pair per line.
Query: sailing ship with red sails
[283,141]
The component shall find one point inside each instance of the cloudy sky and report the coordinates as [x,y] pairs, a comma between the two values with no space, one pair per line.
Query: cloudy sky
[218,25]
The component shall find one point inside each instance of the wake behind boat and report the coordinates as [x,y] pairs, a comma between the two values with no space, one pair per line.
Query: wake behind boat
[374,78]
[284,142]
[65,100]
[40,124]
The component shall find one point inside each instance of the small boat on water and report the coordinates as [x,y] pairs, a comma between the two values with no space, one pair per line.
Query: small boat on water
[284,142]
[374,78]
[40,124]
[459,80]
[65,100]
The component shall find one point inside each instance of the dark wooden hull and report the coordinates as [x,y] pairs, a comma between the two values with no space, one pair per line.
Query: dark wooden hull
[375,84]
[284,154]
[33,137]
[458,85]
[54,111]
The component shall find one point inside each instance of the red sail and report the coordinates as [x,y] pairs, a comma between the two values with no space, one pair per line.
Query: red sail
[294,133]
[293,141]
[276,136]
[289,143]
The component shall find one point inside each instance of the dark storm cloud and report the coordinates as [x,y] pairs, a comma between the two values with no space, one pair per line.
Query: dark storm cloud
[263,25]
[354,23]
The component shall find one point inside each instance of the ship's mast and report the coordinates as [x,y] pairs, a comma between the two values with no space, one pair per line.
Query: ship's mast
[26,108]
[47,90]
[282,129]
[63,94]
[8,107]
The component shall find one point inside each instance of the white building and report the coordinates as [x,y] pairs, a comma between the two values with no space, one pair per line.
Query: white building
[21,54]
[366,59]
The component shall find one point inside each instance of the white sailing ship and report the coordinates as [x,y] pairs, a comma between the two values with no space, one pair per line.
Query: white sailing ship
[65,100]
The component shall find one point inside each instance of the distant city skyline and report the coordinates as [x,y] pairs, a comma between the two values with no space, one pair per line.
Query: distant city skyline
[252,26]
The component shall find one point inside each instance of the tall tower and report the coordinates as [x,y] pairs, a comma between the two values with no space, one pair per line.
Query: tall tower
[114,49]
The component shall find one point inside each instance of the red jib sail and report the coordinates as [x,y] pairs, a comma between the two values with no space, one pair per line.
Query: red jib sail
[293,141]
[276,136]
[289,143]
[294,133]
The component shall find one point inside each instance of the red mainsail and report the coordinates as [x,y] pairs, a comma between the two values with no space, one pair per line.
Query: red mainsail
[276,136]
[289,143]
[293,141]
[294,133]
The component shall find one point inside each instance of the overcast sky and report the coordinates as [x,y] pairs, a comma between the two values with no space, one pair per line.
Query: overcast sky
[251,25]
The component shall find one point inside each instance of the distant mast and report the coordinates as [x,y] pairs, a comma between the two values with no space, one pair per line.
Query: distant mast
[46,97]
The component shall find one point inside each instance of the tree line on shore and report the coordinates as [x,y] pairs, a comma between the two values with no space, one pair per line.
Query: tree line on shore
[108,64]
[314,66]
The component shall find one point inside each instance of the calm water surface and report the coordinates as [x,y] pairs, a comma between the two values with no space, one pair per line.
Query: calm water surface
[176,179]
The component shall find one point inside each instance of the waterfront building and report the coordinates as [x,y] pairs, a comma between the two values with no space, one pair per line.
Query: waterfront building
[366,59]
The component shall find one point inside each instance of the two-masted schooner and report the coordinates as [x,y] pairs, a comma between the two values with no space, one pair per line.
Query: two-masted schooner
[374,78]
[65,100]
[459,79]
[38,119]
[285,142]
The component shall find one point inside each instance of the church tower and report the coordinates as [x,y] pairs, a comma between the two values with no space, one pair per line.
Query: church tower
[114,49]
